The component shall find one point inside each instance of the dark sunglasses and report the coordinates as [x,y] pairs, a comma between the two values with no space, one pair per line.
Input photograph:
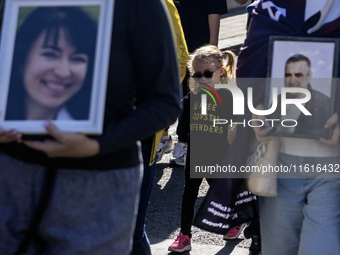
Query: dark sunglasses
[207,74]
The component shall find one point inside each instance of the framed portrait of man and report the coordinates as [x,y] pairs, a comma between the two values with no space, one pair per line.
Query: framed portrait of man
[301,85]
[54,56]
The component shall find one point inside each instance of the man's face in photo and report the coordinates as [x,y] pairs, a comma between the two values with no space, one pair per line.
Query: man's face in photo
[297,74]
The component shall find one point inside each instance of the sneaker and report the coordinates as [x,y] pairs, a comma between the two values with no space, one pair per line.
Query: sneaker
[252,229]
[180,153]
[255,247]
[181,244]
[166,145]
[234,232]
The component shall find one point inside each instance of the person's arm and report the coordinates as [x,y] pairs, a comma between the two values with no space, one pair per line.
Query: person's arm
[215,8]
[241,2]
[261,133]
[155,65]
[182,48]
[65,144]
[332,122]
[214,27]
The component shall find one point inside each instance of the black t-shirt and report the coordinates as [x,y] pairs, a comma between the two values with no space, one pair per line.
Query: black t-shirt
[194,18]
[208,141]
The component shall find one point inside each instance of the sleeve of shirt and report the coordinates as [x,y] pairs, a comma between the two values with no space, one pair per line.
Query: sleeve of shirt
[154,68]
[217,6]
[182,48]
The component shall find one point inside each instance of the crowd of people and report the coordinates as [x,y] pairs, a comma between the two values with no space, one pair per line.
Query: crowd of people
[73,193]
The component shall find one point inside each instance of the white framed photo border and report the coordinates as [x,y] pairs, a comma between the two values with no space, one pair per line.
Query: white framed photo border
[59,71]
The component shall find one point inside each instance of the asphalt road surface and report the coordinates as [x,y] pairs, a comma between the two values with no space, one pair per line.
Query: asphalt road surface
[163,215]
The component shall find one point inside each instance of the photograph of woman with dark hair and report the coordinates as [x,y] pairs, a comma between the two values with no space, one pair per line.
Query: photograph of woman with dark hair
[52,66]
[68,192]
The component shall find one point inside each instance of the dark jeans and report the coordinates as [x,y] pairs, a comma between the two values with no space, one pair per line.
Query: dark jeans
[141,244]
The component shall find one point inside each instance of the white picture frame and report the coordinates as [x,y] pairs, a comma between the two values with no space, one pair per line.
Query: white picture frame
[93,74]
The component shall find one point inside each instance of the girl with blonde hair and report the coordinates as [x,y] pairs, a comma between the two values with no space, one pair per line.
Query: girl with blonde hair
[220,66]
[207,143]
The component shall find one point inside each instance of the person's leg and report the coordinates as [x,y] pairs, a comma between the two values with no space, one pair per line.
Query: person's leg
[141,244]
[253,231]
[20,189]
[320,231]
[92,212]
[281,218]
[191,188]
[321,226]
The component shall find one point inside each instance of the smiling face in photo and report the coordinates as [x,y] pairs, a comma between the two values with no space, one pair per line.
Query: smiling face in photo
[54,71]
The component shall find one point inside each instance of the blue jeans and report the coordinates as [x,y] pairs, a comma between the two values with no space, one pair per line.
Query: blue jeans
[90,212]
[141,243]
[305,216]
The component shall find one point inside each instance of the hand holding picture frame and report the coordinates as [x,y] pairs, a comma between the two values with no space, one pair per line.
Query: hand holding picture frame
[55,58]
[303,70]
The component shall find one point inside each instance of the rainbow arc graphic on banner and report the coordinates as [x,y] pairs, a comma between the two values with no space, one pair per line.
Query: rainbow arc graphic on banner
[204,97]
[208,92]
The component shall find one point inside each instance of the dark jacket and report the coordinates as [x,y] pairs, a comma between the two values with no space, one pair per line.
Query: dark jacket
[320,108]
[311,126]
[253,58]
[143,64]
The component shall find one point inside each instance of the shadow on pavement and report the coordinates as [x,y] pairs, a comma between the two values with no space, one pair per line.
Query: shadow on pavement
[164,214]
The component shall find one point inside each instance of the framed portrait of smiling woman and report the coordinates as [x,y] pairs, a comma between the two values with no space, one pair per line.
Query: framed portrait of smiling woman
[54,57]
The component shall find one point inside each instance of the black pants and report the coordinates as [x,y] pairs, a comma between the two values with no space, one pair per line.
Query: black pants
[189,196]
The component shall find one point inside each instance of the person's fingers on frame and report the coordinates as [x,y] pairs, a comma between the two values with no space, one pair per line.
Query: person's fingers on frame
[332,120]
[2,135]
[10,136]
[336,134]
[333,140]
[53,148]
[16,137]
[47,146]
[15,134]
[37,145]
[53,131]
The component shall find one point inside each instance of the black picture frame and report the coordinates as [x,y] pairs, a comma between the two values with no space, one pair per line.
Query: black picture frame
[322,85]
